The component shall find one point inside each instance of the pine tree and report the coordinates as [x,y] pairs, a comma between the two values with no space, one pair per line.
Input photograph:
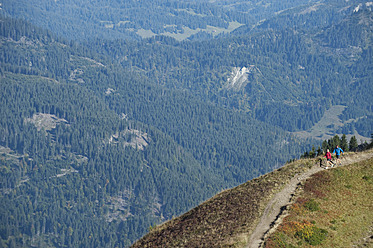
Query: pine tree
[325,145]
[319,151]
[371,141]
[312,153]
[353,144]
[335,142]
[344,144]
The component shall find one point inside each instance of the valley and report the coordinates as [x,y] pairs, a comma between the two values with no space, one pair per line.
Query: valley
[117,116]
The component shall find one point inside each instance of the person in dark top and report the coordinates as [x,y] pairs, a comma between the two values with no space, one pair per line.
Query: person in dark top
[338,152]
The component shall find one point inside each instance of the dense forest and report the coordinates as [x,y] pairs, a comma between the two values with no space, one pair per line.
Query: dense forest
[92,155]
[131,19]
[104,134]
[291,77]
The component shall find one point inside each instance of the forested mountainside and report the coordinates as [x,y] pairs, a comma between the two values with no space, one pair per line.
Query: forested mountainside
[204,19]
[282,62]
[307,15]
[92,154]
[287,78]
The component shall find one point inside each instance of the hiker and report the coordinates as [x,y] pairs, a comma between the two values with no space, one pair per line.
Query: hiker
[337,152]
[328,157]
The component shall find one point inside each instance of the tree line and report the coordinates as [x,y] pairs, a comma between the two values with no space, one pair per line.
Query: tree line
[330,144]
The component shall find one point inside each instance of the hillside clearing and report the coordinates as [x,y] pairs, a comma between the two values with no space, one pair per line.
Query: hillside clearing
[324,129]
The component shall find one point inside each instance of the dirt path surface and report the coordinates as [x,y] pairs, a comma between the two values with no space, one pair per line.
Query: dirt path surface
[276,208]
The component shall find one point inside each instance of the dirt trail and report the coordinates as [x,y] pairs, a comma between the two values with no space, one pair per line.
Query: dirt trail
[274,212]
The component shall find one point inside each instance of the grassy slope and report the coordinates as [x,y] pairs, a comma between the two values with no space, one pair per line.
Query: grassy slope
[338,201]
[227,219]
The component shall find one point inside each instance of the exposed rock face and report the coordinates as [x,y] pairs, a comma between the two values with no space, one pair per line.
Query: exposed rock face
[131,137]
[120,206]
[239,78]
[45,121]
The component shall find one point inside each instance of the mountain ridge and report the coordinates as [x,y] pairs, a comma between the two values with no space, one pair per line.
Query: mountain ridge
[239,217]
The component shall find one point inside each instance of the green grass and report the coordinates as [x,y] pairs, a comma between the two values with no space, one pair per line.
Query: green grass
[312,205]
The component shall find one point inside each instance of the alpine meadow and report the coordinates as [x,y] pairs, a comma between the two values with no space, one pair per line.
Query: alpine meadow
[117,116]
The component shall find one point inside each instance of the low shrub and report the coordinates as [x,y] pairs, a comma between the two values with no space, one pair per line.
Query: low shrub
[310,233]
[278,241]
[304,230]
[317,236]
[312,205]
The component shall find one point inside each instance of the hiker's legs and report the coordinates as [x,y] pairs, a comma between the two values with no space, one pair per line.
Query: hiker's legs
[329,163]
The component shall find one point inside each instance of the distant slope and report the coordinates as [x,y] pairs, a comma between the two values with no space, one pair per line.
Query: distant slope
[85,20]
[90,166]
[304,54]
[70,163]
[306,15]
[325,128]
[288,77]
[229,218]
[97,153]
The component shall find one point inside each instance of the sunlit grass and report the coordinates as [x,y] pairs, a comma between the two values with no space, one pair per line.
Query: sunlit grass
[337,201]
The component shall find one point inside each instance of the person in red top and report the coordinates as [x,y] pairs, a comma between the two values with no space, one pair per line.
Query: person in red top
[328,156]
